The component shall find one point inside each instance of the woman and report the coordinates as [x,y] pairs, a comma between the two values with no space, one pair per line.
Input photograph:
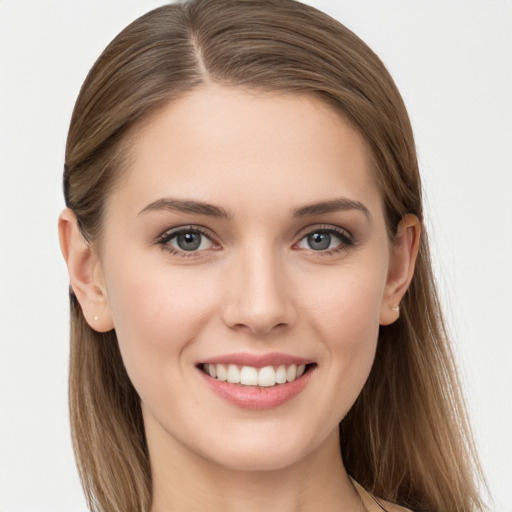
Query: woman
[254,320]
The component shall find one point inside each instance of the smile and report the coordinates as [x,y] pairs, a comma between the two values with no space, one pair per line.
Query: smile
[257,381]
[268,376]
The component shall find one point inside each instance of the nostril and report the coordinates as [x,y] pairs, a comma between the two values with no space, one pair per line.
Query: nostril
[260,328]
[258,302]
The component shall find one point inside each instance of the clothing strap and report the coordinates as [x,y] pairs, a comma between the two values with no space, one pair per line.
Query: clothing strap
[359,486]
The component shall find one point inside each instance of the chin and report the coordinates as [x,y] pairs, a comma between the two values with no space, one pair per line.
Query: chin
[263,452]
[257,460]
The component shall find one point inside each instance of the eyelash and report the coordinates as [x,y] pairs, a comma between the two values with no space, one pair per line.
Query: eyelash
[346,239]
[167,236]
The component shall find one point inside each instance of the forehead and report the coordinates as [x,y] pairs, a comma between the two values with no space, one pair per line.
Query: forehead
[243,148]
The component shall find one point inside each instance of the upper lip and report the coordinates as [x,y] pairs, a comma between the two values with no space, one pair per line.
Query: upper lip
[257,360]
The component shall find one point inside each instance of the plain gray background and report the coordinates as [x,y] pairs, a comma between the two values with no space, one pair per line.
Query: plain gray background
[452,61]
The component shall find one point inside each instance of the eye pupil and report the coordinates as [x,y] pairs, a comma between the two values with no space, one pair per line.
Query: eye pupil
[189,241]
[319,241]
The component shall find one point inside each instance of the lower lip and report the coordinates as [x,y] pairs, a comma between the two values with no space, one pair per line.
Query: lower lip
[254,397]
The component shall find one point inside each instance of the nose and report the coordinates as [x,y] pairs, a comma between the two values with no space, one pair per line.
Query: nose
[259,299]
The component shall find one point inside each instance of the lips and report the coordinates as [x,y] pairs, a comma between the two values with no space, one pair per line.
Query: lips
[257,381]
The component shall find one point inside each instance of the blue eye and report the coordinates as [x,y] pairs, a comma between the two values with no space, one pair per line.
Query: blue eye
[326,240]
[185,240]
[319,241]
[189,241]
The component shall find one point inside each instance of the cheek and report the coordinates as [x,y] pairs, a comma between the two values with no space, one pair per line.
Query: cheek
[348,306]
[346,318]
[156,312]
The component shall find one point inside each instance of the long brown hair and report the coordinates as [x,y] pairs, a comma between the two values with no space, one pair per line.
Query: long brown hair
[406,438]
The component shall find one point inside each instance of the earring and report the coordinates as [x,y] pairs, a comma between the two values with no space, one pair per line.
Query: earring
[95,318]
[396,309]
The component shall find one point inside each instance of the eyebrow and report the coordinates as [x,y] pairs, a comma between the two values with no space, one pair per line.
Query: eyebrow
[180,206]
[200,208]
[331,206]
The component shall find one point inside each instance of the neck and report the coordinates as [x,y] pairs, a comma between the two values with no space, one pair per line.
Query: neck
[187,481]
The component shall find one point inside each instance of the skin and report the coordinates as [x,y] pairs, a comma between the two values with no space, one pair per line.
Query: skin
[255,285]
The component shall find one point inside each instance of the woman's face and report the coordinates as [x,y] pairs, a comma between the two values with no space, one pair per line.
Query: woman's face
[247,234]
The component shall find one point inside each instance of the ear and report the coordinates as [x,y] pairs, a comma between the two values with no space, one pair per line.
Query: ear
[401,267]
[85,273]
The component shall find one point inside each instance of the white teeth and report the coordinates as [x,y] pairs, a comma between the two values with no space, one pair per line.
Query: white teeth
[291,373]
[281,374]
[267,376]
[222,374]
[233,374]
[249,376]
